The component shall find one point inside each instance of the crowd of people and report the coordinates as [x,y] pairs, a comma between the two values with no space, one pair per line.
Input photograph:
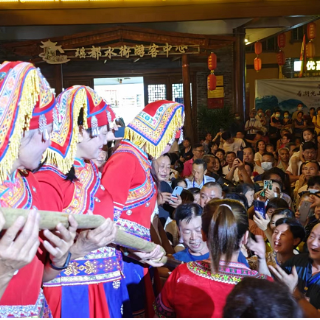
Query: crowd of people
[237,216]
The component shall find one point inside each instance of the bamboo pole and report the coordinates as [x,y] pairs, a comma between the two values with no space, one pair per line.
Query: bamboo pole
[50,219]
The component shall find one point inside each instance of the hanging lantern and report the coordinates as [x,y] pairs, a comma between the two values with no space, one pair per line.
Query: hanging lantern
[258,48]
[281,40]
[281,58]
[212,61]
[212,82]
[311,30]
[310,50]
[257,64]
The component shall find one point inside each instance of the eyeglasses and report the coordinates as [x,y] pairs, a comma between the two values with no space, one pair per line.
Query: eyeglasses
[201,151]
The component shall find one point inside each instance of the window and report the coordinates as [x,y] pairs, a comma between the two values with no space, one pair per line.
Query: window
[156,92]
[268,45]
[297,34]
[177,92]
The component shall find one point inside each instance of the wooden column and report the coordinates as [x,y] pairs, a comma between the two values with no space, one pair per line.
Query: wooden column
[239,65]
[58,78]
[188,128]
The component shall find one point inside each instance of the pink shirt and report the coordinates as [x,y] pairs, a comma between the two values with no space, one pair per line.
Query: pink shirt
[187,169]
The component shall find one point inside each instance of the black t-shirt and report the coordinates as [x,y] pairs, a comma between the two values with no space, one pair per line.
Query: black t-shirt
[186,155]
[304,270]
[165,210]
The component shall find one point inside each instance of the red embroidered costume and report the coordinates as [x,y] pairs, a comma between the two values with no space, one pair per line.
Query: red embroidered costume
[192,291]
[86,286]
[127,177]
[26,102]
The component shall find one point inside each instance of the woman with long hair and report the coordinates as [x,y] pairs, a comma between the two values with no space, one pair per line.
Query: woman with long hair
[26,124]
[199,289]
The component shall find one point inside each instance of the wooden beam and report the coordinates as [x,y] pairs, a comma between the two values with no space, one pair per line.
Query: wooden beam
[121,35]
[239,72]
[188,127]
[58,78]
[208,11]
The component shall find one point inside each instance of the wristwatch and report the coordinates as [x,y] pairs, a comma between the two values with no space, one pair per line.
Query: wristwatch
[65,266]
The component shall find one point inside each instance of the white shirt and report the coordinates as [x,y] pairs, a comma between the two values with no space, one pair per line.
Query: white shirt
[253,123]
[225,170]
[193,184]
[258,157]
[236,145]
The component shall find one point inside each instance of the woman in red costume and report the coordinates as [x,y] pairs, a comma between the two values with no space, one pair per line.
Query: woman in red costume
[92,286]
[26,104]
[199,289]
[127,177]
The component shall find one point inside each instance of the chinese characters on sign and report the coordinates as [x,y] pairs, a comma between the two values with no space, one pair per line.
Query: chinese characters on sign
[311,93]
[51,53]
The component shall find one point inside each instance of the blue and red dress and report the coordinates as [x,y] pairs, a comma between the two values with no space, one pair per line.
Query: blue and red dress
[127,177]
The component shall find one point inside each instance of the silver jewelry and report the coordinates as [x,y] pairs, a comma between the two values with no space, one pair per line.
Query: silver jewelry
[43,127]
[94,126]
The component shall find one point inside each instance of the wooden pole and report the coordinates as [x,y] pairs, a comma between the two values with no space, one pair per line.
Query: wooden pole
[188,128]
[239,73]
[58,78]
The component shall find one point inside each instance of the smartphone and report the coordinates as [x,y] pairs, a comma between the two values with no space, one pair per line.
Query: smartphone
[240,155]
[267,184]
[304,211]
[119,133]
[176,192]
[259,207]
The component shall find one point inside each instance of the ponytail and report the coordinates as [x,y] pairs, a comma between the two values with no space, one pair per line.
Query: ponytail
[228,225]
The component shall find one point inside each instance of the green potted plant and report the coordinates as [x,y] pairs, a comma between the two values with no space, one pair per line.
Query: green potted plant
[212,120]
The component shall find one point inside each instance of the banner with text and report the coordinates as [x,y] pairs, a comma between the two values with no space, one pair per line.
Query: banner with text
[286,94]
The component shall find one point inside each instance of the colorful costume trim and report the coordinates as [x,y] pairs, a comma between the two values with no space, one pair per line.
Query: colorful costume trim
[99,266]
[139,195]
[227,274]
[15,193]
[155,126]
[39,310]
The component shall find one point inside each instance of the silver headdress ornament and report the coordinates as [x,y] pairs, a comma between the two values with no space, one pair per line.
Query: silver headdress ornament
[43,127]
[94,126]
[181,136]
[109,117]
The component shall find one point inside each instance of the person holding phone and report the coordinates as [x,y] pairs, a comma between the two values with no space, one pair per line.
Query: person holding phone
[166,202]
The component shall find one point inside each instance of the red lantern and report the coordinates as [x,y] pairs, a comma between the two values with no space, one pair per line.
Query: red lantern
[281,40]
[311,30]
[257,64]
[281,58]
[310,50]
[212,82]
[212,61]
[258,48]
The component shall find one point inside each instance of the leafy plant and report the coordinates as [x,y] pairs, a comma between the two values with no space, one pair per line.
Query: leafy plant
[212,120]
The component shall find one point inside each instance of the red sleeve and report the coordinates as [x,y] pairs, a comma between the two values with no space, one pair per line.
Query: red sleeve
[164,304]
[118,177]
[51,190]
